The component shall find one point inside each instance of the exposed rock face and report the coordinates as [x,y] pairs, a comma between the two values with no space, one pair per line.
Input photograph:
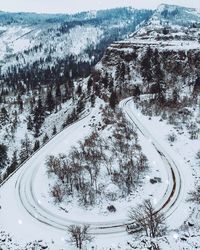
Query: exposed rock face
[158,53]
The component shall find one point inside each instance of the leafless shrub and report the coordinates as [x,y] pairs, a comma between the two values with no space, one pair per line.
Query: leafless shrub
[194,196]
[57,193]
[172,137]
[198,155]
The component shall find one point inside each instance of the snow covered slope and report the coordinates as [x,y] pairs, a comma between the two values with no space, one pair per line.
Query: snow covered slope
[27,37]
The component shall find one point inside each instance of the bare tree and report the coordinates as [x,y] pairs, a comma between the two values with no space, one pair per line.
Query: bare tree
[57,193]
[148,219]
[172,137]
[79,235]
[198,155]
[194,196]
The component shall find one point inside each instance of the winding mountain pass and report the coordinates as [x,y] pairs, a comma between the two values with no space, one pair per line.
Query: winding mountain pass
[26,178]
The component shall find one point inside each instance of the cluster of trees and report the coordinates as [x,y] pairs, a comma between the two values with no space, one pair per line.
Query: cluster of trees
[110,89]
[194,196]
[144,218]
[26,149]
[38,109]
[154,75]
[117,158]
[22,79]
[179,116]
[49,70]
[47,102]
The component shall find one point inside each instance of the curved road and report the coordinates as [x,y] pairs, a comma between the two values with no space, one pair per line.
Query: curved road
[24,184]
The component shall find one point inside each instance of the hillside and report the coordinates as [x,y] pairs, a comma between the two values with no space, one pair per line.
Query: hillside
[159,67]
[42,53]
[101,112]
[148,55]
[27,37]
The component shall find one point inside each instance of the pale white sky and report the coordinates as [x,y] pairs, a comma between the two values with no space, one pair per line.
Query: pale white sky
[71,6]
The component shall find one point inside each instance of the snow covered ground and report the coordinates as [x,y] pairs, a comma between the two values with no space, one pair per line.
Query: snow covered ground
[28,225]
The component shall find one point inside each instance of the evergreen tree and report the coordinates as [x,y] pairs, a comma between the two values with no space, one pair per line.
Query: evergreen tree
[136,91]
[92,100]
[50,102]
[58,94]
[54,130]
[14,163]
[80,106]
[105,81]
[79,90]
[3,155]
[36,145]
[89,85]
[67,93]
[4,117]
[175,96]
[122,72]
[113,100]
[26,150]
[20,103]
[38,117]
[146,65]
[111,85]
[15,120]
[117,72]
[45,138]
[29,123]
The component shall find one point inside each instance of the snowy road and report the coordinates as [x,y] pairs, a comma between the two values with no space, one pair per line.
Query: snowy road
[20,187]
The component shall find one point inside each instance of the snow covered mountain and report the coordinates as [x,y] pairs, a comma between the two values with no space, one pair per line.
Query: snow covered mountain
[45,62]
[39,52]
[26,38]
[169,20]
[177,15]
[164,44]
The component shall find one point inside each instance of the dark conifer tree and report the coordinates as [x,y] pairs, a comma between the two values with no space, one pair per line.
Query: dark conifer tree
[36,145]
[92,100]
[45,138]
[38,117]
[20,103]
[3,116]
[26,149]
[3,155]
[79,90]
[89,85]
[14,163]
[146,65]
[113,100]
[30,123]
[54,130]
[50,102]
[58,93]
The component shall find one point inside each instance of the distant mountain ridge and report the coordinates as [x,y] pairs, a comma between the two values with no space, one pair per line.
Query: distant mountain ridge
[68,46]
[38,18]
[163,50]
[171,22]
[177,15]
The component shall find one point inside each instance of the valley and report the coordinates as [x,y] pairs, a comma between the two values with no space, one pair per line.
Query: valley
[99,129]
